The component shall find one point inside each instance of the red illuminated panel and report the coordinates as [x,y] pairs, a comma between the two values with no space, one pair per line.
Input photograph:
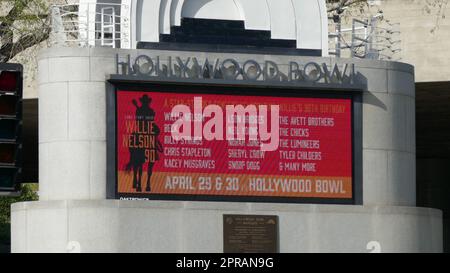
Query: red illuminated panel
[313,159]
[9,81]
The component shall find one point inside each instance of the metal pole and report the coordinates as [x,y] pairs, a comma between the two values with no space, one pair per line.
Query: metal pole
[352,46]
[338,38]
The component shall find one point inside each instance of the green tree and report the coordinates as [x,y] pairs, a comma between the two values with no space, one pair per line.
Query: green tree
[23,24]
[28,193]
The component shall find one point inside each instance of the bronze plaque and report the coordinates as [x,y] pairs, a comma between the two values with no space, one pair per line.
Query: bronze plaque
[250,234]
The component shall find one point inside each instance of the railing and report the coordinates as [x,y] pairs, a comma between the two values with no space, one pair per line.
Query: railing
[109,25]
[92,24]
[372,38]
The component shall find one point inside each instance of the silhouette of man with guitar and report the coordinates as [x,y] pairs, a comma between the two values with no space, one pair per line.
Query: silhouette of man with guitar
[145,115]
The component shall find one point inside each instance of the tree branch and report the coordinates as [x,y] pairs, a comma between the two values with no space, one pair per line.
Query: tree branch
[10,50]
[27,21]
[17,9]
[339,4]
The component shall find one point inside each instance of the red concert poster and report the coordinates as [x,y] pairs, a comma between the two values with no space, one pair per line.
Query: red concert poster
[313,158]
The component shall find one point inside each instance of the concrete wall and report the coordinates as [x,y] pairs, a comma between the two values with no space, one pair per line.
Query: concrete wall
[425,34]
[130,226]
[72,159]
[72,123]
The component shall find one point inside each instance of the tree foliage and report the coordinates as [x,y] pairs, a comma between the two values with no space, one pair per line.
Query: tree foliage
[336,6]
[28,193]
[23,24]
[436,8]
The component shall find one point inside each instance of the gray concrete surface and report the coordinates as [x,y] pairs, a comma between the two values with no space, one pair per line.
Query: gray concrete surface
[137,226]
[72,156]
[73,124]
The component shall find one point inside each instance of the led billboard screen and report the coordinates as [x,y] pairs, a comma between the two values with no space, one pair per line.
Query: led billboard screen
[311,156]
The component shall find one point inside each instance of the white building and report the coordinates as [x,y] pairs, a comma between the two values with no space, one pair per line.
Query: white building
[130,22]
[77,207]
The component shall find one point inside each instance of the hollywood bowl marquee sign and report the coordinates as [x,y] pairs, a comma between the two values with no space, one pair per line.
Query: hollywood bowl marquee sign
[231,69]
[228,111]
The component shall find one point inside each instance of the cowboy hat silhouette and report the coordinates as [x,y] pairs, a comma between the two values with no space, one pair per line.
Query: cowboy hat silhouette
[145,99]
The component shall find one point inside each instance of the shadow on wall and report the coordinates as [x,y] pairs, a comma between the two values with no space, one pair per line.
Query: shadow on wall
[433,190]
[5,238]
[433,149]
[371,99]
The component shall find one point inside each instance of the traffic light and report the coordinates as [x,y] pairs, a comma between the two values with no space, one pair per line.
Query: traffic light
[11,84]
